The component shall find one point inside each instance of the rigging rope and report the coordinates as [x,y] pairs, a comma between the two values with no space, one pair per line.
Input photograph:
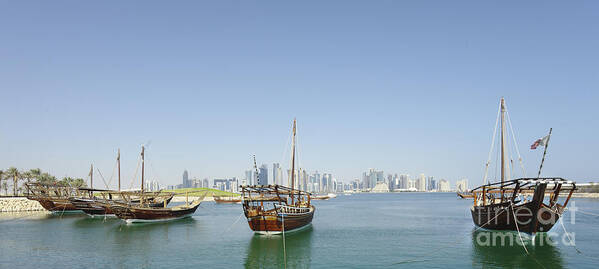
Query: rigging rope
[102,177]
[515,143]
[135,175]
[492,144]
[112,174]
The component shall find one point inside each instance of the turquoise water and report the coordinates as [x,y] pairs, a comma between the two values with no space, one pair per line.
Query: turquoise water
[416,230]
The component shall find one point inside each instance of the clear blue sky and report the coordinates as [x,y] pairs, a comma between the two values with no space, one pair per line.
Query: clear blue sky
[403,87]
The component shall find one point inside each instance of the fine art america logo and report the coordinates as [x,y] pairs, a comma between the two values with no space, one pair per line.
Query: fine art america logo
[546,217]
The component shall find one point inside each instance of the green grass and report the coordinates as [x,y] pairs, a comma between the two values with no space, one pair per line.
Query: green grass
[201,191]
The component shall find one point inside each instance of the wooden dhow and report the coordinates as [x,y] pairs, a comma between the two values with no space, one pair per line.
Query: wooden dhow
[509,205]
[276,209]
[145,212]
[528,205]
[145,209]
[55,197]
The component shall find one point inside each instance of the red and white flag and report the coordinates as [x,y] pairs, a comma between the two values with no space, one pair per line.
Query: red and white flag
[540,142]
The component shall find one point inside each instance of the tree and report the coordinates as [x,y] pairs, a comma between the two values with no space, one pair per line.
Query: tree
[46,178]
[5,187]
[16,175]
[73,182]
[32,174]
[2,174]
[35,174]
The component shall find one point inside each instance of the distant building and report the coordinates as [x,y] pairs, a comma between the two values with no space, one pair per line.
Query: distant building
[372,177]
[380,187]
[186,181]
[303,180]
[277,174]
[444,185]
[152,186]
[431,184]
[248,178]
[263,176]
[462,185]
[403,181]
[205,183]
[421,183]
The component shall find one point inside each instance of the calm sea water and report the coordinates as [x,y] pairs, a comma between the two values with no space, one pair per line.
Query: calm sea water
[416,230]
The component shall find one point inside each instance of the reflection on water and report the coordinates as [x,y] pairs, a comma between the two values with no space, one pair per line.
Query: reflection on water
[35,215]
[502,249]
[267,251]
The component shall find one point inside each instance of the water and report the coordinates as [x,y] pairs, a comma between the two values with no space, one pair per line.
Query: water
[417,230]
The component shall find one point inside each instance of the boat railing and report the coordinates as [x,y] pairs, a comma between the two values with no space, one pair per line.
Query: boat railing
[292,210]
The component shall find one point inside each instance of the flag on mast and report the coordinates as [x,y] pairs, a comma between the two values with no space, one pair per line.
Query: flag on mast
[540,142]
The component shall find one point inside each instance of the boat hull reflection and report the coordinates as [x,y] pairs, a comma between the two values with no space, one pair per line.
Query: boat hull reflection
[267,251]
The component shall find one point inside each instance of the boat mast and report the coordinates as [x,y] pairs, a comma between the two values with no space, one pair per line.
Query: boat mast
[91,176]
[257,174]
[293,161]
[118,161]
[142,169]
[502,140]
[544,153]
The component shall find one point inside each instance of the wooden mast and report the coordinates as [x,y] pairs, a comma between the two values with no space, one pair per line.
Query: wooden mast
[91,180]
[293,162]
[118,161]
[91,176]
[142,170]
[502,140]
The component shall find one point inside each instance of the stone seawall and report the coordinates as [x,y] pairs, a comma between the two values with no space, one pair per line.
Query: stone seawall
[19,204]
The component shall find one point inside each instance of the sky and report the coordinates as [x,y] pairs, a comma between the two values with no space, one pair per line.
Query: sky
[402,86]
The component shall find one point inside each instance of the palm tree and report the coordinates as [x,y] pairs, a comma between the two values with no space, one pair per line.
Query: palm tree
[15,174]
[31,174]
[5,186]
[1,177]
[35,174]
[46,178]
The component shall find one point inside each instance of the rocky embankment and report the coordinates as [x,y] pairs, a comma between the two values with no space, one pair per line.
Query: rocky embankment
[19,204]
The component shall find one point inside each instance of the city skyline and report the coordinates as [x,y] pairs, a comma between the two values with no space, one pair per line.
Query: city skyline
[318,182]
[397,86]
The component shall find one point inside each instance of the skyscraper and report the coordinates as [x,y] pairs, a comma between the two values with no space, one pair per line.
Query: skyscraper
[403,181]
[372,177]
[277,174]
[421,183]
[248,178]
[263,176]
[461,185]
[186,181]
[444,185]
[430,182]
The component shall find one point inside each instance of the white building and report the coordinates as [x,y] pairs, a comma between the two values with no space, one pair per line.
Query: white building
[462,185]
[421,183]
[444,185]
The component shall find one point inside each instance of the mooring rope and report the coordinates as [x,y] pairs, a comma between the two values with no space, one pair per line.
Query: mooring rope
[481,227]
[571,241]
[518,228]
[231,226]
[284,250]
[588,213]
[63,209]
